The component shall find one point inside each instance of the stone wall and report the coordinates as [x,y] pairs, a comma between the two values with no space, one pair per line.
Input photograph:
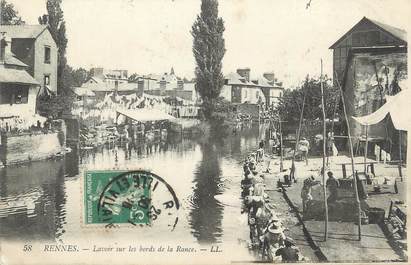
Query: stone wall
[22,148]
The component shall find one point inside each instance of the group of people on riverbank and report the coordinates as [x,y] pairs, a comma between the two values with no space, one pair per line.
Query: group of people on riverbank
[266,229]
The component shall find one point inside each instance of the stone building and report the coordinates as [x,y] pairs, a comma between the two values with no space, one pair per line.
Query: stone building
[35,47]
[240,88]
[18,90]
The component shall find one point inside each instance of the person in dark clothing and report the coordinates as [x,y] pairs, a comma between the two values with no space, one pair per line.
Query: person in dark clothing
[288,253]
[332,185]
[246,183]
[261,144]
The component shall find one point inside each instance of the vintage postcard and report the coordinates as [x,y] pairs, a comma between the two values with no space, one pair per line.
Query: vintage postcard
[204,131]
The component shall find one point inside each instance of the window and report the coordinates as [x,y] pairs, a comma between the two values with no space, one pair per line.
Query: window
[21,95]
[14,94]
[46,80]
[47,54]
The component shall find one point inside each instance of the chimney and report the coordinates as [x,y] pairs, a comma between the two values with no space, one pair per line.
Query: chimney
[245,73]
[4,46]
[269,76]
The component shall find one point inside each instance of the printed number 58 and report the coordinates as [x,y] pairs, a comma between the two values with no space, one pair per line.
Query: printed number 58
[27,248]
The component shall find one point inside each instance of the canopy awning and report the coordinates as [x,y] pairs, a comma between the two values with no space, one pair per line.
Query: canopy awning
[15,76]
[396,106]
[143,115]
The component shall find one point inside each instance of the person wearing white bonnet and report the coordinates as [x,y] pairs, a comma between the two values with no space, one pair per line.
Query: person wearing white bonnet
[274,235]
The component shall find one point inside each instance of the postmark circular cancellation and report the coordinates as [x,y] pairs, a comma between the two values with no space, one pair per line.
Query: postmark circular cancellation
[136,198]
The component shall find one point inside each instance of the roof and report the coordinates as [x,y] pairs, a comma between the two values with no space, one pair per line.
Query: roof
[109,87]
[397,33]
[23,31]
[235,79]
[11,59]
[95,79]
[127,87]
[82,91]
[143,115]
[263,82]
[169,78]
[395,107]
[16,76]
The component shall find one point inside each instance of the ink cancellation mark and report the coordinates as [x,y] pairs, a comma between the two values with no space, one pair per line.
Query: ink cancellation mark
[129,198]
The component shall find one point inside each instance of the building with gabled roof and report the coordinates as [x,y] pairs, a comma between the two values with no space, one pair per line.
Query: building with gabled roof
[271,89]
[370,64]
[35,46]
[18,90]
[239,88]
[366,33]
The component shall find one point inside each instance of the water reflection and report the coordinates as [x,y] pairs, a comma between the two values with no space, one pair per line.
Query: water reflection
[206,213]
[32,200]
[40,201]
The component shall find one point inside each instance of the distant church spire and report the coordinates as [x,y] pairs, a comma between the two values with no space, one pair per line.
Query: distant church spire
[172,71]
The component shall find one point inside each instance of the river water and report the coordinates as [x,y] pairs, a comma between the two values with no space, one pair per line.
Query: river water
[42,201]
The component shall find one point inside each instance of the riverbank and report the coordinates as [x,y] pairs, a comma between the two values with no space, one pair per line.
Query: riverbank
[376,243]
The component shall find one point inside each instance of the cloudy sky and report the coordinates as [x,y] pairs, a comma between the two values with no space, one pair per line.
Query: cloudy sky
[151,36]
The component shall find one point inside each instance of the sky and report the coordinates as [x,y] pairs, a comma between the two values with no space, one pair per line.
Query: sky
[151,36]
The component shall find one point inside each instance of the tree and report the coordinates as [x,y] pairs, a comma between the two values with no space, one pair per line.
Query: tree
[55,106]
[9,15]
[289,106]
[57,26]
[208,50]
[75,77]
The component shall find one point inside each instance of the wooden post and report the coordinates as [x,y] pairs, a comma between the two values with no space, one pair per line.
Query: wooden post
[332,128]
[400,157]
[324,155]
[281,148]
[344,171]
[352,158]
[292,173]
[366,149]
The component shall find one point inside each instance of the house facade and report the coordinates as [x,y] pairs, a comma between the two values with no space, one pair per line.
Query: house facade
[271,88]
[34,46]
[107,76]
[238,88]
[18,90]
[105,81]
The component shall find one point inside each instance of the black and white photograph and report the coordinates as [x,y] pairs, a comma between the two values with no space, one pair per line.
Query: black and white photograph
[204,131]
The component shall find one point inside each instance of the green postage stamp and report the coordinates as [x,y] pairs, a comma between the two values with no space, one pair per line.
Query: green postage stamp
[117,197]
[113,198]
